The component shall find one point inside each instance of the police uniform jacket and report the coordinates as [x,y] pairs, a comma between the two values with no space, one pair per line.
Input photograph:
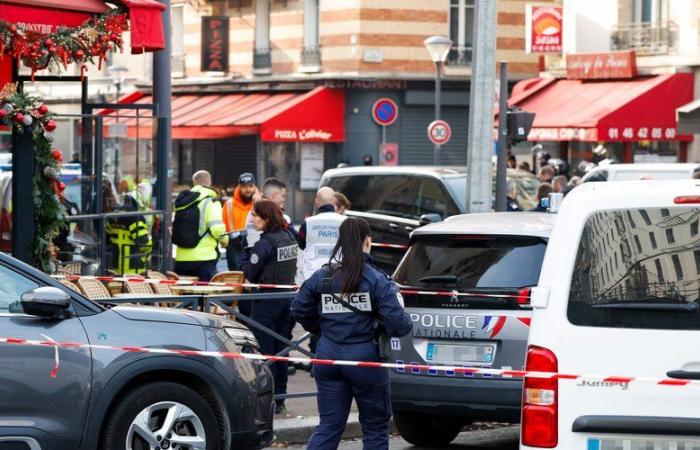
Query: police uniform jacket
[273,258]
[318,312]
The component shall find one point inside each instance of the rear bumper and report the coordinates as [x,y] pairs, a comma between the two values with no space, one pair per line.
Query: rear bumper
[473,398]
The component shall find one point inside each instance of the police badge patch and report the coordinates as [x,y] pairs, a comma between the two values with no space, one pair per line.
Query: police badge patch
[254,258]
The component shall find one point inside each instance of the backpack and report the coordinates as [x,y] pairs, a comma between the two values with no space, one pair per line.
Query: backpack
[188,219]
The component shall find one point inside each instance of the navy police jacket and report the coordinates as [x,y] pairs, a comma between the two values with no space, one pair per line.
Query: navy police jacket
[316,311]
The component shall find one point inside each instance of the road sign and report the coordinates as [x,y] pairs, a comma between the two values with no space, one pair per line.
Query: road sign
[439,132]
[385,111]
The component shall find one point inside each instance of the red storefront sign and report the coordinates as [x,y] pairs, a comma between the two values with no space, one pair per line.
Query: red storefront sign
[597,66]
[543,29]
[215,44]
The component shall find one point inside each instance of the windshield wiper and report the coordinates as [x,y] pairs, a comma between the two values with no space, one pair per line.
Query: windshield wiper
[641,306]
[450,279]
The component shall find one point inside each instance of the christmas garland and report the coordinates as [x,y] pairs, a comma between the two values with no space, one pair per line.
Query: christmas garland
[27,114]
[94,39]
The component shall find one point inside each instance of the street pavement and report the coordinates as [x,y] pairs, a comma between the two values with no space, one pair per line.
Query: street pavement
[499,438]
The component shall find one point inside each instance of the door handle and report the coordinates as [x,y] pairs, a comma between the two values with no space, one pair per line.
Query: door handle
[408,228]
[683,375]
[393,226]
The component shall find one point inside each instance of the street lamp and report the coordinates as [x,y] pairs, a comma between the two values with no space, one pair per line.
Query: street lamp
[438,47]
[117,73]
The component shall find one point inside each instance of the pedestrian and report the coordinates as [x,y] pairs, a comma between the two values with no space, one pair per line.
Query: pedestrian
[546,174]
[367,160]
[236,210]
[524,165]
[128,240]
[575,181]
[511,193]
[275,190]
[319,234]
[198,229]
[341,203]
[348,332]
[543,191]
[272,260]
[511,162]
[559,183]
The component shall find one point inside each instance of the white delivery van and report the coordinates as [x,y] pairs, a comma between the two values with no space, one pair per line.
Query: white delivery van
[642,171]
[618,298]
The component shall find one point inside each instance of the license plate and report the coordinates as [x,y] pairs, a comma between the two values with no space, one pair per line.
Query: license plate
[643,444]
[482,354]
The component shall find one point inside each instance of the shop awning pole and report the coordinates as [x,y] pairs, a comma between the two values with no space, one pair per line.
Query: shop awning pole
[162,93]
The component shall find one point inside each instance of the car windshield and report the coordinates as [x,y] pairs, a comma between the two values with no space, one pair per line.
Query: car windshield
[526,189]
[472,262]
[634,268]
[458,189]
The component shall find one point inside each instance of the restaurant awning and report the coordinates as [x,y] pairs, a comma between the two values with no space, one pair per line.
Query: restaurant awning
[314,116]
[45,16]
[643,108]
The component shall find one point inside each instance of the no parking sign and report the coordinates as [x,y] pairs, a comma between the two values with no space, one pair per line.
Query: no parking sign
[385,111]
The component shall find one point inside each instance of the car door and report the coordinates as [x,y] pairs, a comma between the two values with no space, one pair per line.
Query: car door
[43,394]
[432,198]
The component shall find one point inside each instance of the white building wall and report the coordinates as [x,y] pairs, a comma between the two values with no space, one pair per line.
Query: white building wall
[587,25]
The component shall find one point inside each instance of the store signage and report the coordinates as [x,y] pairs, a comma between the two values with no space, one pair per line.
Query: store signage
[613,134]
[117,130]
[385,111]
[303,135]
[595,66]
[543,29]
[215,44]
[439,132]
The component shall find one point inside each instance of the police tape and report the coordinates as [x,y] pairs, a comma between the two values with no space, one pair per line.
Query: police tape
[522,297]
[414,369]
[382,245]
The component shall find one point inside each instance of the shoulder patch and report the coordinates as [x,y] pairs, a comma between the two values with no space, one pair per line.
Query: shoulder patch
[399,297]
[254,258]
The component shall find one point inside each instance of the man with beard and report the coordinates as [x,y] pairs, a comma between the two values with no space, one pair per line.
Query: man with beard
[236,211]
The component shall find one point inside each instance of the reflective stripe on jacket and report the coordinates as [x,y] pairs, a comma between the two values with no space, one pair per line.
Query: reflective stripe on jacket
[211,225]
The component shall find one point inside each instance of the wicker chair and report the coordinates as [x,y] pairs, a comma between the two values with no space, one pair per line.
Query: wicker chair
[64,272]
[160,289]
[172,275]
[93,289]
[70,285]
[228,277]
[72,267]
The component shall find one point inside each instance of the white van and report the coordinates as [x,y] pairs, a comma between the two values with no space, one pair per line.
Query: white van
[618,298]
[641,171]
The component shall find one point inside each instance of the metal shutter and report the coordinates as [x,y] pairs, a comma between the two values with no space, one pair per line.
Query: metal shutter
[234,157]
[416,149]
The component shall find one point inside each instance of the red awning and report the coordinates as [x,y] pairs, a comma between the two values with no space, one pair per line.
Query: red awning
[45,16]
[314,116]
[624,110]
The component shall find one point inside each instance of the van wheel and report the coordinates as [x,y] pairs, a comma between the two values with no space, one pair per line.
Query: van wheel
[425,430]
[162,416]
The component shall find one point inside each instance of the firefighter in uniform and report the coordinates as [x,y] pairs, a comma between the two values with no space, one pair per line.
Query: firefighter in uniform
[319,234]
[346,302]
[129,240]
[272,260]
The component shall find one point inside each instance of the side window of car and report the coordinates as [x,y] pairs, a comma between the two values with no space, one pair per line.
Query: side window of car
[433,200]
[393,195]
[356,188]
[12,286]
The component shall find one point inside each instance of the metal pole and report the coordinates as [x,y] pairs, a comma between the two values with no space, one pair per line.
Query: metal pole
[162,98]
[438,88]
[480,140]
[502,140]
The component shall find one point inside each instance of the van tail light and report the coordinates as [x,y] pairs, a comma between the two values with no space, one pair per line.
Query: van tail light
[523,296]
[539,427]
[687,200]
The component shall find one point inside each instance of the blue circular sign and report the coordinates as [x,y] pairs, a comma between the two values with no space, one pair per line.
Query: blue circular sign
[385,112]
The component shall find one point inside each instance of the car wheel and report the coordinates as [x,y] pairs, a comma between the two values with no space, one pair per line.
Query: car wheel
[425,430]
[162,416]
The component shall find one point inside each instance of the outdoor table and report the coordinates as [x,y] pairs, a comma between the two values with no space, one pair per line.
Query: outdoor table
[202,290]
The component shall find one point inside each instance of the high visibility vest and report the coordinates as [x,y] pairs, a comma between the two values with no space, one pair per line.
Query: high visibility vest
[130,244]
[211,226]
[321,236]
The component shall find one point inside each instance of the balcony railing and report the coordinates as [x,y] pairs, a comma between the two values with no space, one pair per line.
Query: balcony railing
[310,59]
[262,62]
[459,56]
[645,38]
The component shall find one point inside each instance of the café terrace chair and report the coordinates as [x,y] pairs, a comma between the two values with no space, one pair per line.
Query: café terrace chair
[93,289]
[70,285]
[160,289]
[233,276]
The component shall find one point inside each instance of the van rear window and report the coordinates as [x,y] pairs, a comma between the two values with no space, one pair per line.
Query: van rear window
[638,268]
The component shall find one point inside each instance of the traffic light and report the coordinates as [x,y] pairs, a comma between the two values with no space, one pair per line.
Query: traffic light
[518,123]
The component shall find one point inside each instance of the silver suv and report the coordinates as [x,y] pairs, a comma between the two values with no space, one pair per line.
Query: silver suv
[495,258]
[85,398]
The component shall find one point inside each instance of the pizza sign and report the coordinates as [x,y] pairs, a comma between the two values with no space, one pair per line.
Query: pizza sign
[543,29]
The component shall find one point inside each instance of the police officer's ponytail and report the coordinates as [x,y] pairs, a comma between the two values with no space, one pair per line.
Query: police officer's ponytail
[347,257]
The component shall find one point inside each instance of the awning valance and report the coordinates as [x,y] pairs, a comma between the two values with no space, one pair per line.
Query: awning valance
[612,110]
[314,116]
[45,16]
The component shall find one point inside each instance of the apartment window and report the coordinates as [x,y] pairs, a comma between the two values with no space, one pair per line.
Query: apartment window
[652,239]
[461,31]
[665,212]
[262,63]
[694,228]
[677,266]
[629,216]
[177,27]
[311,53]
[648,11]
[659,271]
[669,236]
[696,253]
[645,216]
[637,243]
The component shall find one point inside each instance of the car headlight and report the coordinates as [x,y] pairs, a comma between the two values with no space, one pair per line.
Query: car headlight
[244,338]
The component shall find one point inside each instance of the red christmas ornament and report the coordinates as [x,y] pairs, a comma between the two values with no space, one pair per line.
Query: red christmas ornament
[57,155]
[79,54]
[3,114]
[43,109]
[48,42]
[50,125]
[13,28]
[113,36]
[19,117]
[61,186]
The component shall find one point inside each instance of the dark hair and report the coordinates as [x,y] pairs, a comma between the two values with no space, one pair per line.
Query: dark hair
[543,190]
[274,182]
[271,213]
[347,257]
[342,200]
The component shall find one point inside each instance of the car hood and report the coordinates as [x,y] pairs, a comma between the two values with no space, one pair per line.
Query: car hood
[180,316]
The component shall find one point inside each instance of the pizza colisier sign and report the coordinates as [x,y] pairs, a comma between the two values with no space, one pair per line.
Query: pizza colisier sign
[543,29]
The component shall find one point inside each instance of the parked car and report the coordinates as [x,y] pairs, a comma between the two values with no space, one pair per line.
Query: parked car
[111,399]
[397,200]
[617,300]
[496,254]
[642,171]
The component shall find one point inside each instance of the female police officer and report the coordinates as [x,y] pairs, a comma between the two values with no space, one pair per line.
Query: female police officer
[344,301]
[272,260]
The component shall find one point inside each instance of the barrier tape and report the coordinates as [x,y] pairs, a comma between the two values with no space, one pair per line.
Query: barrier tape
[380,245]
[408,290]
[612,380]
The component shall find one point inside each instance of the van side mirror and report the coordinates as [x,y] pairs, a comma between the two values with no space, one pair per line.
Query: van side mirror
[46,301]
[425,219]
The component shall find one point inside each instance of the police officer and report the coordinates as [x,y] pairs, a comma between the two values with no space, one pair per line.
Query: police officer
[273,259]
[345,301]
[129,240]
[511,193]
[319,234]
